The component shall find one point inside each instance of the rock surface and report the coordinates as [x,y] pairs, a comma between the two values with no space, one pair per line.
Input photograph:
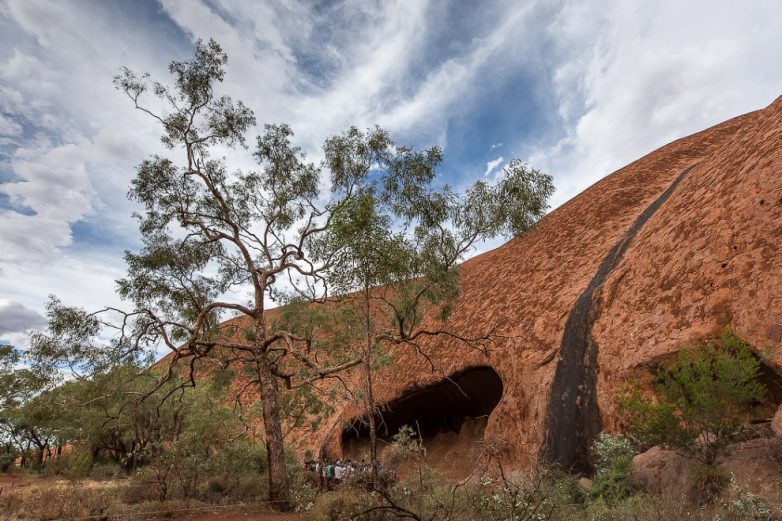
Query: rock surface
[776,422]
[708,256]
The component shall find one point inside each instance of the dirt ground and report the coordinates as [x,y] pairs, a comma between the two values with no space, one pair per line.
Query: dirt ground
[222,515]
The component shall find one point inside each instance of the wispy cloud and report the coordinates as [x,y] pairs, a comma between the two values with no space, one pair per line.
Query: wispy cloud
[631,77]
[491,166]
[575,88]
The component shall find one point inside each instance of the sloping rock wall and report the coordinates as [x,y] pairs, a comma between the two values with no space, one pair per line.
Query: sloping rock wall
[706,255]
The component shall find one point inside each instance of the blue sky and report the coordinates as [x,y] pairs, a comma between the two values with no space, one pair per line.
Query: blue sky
[575,88]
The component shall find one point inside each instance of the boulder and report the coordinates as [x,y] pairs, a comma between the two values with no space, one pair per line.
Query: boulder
[661,471]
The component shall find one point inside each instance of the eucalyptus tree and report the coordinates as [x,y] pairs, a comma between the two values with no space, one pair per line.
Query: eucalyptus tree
[220,242]
[399,243]
[215,241]
[18,386]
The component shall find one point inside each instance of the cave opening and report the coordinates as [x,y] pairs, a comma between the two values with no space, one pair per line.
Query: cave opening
[772,381]
[450,415]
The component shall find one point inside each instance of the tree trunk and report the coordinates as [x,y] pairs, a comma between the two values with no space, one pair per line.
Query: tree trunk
[39,459]
[372,431]
[275,447]
[370,399]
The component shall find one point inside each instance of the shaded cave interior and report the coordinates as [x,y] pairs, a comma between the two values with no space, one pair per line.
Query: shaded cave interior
[772,380]
[450,415]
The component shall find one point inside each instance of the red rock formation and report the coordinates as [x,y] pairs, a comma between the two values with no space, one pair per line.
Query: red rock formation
[676,245]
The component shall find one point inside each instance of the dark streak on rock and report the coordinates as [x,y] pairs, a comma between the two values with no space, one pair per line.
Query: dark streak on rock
[573,418]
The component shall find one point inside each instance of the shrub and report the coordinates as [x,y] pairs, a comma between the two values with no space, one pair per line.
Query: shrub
[74,464]
[613,479]
[702,401]
[706,482]
[72,500]
[6,460]
[745,506]
[405,446]
[339,504]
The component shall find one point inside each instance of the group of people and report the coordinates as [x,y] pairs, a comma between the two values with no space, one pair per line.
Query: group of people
[335,472]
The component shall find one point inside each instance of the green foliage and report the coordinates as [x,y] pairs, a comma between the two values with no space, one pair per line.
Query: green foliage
[343,503]
[405,446]
[613,479]
[703,399]
[521,500]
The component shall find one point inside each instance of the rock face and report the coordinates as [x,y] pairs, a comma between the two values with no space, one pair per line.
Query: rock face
[661,254]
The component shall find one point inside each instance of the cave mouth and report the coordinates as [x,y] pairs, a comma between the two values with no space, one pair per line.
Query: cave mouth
[450,413]
[772,381]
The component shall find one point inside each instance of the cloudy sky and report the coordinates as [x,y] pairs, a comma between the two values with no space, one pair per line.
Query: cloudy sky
[575,88]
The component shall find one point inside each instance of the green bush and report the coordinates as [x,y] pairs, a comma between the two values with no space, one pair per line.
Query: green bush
[7,460]
[745,506]
[339,504]
[613,479]
[703,399]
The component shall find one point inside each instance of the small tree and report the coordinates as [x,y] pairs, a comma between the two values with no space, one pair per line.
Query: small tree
[702,401]
[400,244]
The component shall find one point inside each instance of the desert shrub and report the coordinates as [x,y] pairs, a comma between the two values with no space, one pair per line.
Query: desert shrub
[65,501]
[512,500]
[706,482]
[613,479]
[405,446]
[150,483]
[703,399]
[105,470]
[181,470]
[7,460]
[743,505]
[342,503]
[74,464]
[304,491]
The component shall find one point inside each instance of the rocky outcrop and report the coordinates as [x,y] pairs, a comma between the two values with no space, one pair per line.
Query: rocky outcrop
[660,254]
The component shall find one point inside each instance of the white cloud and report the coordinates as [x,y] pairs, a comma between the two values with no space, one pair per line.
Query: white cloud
[9,128]
[491,166]
[632,77]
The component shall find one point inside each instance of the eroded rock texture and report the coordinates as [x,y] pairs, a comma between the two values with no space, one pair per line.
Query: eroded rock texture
[662,253]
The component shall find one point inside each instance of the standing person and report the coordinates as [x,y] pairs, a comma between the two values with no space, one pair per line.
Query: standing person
[322,470]
[330,474]
[339,472]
